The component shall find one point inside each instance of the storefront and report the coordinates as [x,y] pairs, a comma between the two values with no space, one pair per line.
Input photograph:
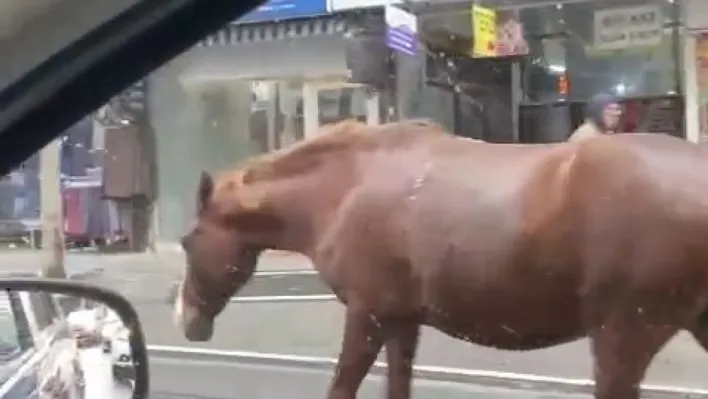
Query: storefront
[274,77]
[695,59]
[550,58]
[258,84]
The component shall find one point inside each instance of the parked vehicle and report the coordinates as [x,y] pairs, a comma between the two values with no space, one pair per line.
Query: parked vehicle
[32,324]
[114,334]
[37,328]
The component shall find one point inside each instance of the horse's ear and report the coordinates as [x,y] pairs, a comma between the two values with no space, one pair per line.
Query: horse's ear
[206,188]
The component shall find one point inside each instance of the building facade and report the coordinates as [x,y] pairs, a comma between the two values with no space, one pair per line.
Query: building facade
[695,60]
[566,52]
[274,76]
[259,84]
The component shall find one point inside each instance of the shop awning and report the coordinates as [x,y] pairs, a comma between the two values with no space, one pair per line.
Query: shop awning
[234,34]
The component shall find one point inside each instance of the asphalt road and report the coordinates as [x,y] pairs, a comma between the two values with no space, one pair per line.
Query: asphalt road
[314,329]
[280,285]
[284,285]
[180,379]
[176,378]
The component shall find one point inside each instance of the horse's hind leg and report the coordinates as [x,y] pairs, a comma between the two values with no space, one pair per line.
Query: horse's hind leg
[700,330]
[623,351]
[401,344]
[360,346]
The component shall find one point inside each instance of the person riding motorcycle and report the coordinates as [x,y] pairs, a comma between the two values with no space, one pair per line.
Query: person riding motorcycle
[602,116]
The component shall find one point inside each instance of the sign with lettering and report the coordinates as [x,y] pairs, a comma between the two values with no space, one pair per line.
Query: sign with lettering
[702,83]
[401,31]
[276,10]
[497,33]
[341,5]
[484,26]
[621,28]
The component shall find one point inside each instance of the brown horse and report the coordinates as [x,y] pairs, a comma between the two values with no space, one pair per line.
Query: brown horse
[512,246]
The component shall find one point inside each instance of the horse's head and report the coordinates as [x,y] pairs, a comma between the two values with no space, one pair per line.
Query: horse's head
[221,254]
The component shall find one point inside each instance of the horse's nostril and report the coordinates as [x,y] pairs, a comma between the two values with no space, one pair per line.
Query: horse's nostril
[184,242]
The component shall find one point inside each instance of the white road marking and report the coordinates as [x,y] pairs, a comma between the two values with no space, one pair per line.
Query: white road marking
[179,305]
[272,273]
[283,298]
[429,372]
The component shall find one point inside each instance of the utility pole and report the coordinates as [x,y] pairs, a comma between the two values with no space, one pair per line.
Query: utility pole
[52,216]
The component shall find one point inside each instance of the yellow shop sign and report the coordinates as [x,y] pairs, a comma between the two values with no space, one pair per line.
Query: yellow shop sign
[484,25]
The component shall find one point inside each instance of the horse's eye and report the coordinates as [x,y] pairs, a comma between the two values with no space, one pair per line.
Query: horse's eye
[184,241]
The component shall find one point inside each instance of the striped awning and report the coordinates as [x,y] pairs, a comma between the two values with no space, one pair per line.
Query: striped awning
[234,34]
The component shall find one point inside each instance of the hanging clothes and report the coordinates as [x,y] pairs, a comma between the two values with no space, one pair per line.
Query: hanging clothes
[76,148]
[126,166]
[30,188]
[75,217]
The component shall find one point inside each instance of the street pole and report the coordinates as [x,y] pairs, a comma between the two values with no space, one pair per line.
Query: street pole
[51,210]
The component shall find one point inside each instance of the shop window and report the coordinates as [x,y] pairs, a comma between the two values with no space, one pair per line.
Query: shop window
[701,63]
[653,115]
[289,109]
[579,49]
[545,123]
[624,47]
[338,104]
[544,69]
[258,120]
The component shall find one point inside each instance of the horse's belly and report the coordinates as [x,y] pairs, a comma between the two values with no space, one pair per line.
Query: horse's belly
[507,338]
[523,325]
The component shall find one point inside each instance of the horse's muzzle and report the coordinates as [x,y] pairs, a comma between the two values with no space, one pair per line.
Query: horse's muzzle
[195,326]
[198,329]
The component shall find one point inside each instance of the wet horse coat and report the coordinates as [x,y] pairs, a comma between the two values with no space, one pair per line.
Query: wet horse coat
[511,246]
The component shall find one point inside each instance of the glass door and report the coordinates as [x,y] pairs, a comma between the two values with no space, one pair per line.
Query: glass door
[331,102]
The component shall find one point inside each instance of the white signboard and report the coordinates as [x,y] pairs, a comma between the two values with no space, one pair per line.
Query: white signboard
[621,28]
[401,30]
[696,14]
[340,5]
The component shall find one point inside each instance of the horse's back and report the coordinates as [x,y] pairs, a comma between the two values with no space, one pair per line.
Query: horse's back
[549,226]
[640,211]
[444,217]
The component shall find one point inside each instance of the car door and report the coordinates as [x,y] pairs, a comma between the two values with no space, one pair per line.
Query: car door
[18,348]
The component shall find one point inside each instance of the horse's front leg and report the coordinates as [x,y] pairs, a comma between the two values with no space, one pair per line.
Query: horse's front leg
[361,344]
[401,345]
[623,351]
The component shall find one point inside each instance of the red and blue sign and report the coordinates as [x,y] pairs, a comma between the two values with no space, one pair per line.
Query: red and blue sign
[274,10]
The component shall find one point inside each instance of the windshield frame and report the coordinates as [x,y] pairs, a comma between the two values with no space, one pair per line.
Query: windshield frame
[78,79]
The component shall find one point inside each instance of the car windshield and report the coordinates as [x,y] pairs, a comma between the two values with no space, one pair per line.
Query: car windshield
[33,27]
[118,189]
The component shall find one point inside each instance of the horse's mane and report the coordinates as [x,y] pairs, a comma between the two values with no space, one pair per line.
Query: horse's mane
[307,153]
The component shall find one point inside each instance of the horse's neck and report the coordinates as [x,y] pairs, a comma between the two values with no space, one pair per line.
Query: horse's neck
[306,204]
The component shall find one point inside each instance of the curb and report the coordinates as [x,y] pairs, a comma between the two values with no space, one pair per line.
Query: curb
[431,373]
[87,275]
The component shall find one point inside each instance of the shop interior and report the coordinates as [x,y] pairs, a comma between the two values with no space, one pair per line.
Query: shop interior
[545,87]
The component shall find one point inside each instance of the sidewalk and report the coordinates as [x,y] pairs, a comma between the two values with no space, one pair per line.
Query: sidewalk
[88,262]
[142,278]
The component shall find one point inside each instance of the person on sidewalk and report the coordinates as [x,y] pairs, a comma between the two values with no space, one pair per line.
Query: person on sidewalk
[602,116]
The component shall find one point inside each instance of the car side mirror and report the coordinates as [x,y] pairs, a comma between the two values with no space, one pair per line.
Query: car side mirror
[63,338]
